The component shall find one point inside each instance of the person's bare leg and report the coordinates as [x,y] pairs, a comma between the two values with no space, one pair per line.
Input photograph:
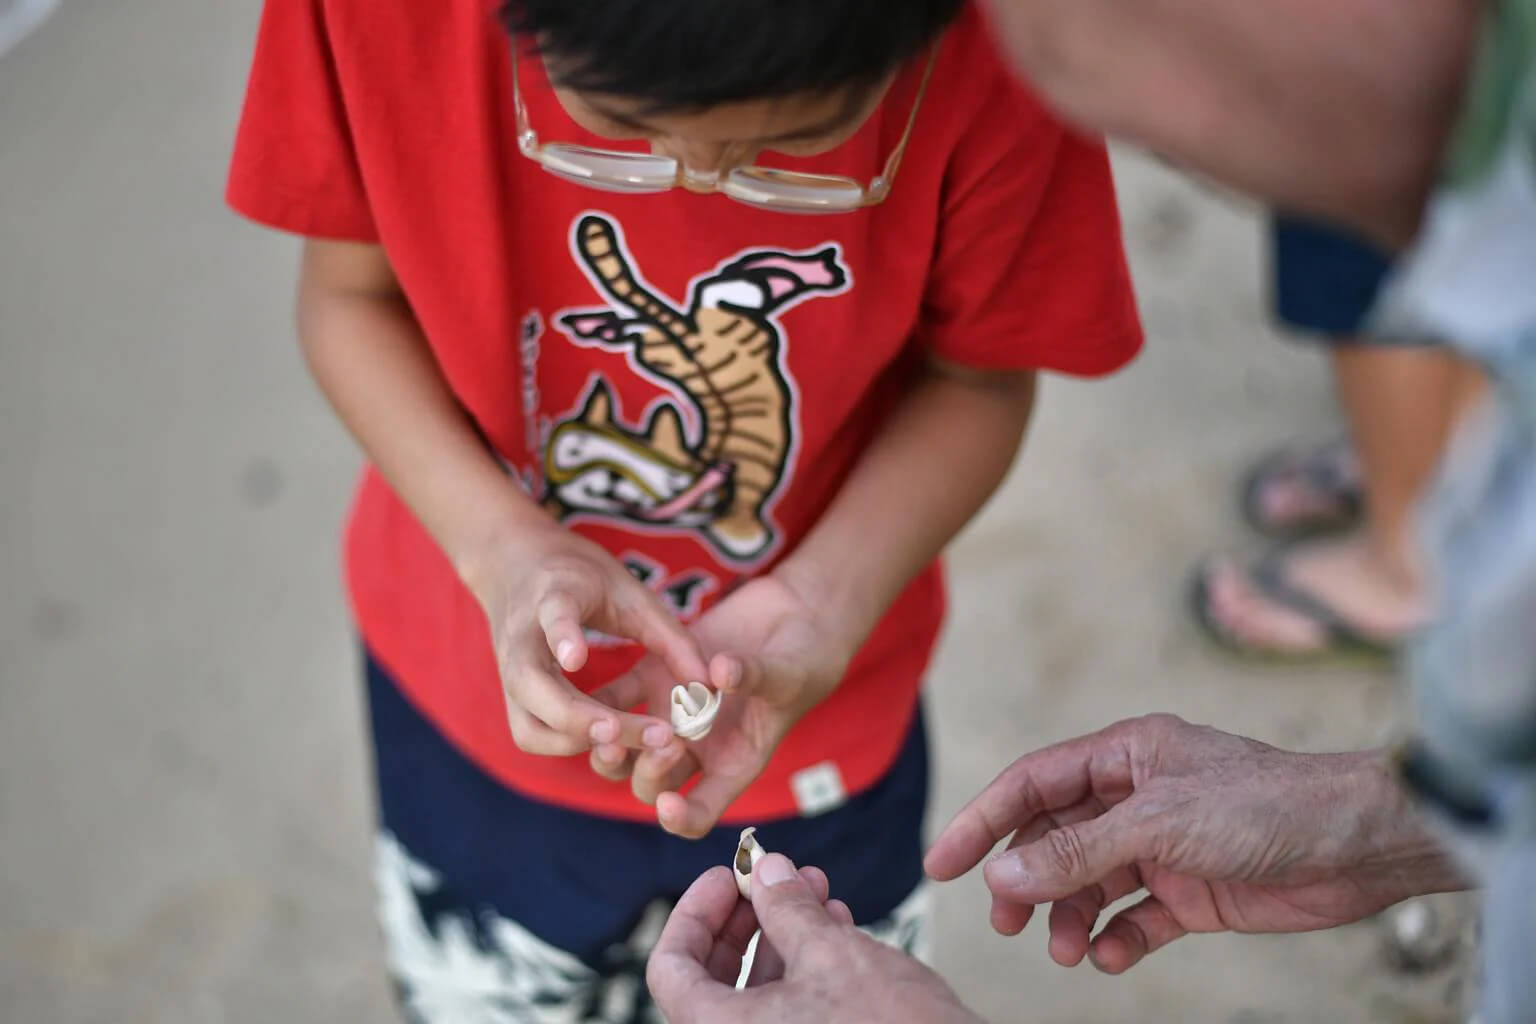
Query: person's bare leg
[1401,405]
[1467,391]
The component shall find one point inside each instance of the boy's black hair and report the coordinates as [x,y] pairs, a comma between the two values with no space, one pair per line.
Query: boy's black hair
[679,55]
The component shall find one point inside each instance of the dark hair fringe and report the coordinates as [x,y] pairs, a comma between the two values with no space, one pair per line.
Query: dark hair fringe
[690,54]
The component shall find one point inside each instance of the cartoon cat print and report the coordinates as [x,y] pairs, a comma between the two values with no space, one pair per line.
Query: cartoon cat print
[724,355]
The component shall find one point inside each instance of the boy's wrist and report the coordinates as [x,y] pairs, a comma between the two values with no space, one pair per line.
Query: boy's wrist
[505,528]
[833,597]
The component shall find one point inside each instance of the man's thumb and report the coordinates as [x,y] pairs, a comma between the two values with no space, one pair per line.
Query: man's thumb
[1063,860]
[788,911]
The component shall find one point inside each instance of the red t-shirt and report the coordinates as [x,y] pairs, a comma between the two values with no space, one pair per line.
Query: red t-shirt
[563,319]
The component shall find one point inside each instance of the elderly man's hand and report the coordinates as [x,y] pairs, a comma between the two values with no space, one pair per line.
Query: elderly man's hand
[1224,834]
[812,964]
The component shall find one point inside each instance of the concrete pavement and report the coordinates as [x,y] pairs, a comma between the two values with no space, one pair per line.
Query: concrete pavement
[183,801]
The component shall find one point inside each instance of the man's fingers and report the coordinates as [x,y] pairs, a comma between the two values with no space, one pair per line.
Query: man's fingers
[1065,859]
[560,617]
[724,962]
[678,973]
[840,912]
[817,880]
[1073,917]
[1071,924]
[1133,933]
[1037,783]
[693,815]
[735,935]
[788,911]
[1009,918]
[767,964]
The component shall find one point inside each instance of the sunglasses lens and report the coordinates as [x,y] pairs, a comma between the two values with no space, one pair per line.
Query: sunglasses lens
[787,190]
[608,169]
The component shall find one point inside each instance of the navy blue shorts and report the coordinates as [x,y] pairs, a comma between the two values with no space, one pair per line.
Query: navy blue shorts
[498,907]
[1325,281]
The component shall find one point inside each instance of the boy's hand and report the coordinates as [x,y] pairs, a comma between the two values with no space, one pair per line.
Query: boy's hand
[775,660]
[540,589]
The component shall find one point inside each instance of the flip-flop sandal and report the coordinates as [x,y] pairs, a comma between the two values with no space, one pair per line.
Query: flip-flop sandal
[1342,641]
[1321,470]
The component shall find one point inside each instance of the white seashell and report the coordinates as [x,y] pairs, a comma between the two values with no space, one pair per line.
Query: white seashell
[748,853]
[694,708]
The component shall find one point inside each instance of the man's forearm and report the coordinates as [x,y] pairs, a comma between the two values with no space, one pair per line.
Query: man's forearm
[1334,107]
[944,451]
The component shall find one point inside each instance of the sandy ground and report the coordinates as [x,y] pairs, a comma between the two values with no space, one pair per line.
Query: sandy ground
[184,816]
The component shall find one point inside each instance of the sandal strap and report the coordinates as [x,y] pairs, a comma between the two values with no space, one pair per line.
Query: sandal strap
[1322,471]
[1269,576]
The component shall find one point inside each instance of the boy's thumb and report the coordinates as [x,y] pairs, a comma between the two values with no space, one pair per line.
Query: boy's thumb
[752,675]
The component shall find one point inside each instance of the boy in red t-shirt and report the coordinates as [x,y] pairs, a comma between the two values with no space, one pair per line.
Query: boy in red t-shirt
[631,402]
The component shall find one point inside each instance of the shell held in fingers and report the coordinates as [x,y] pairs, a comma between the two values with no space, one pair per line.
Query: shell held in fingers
[748,852]
[694,708]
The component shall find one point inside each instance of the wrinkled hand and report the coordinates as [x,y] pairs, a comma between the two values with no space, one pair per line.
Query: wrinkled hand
[812,965]
[539,591]
[773,660]
[1224,834]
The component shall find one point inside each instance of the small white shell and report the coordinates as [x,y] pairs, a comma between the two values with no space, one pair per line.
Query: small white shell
[748,853]
[694,708]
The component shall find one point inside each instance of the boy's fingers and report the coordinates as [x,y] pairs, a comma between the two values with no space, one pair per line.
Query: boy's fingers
[637,732]
[623,693]
[612,762]
[694,815]
[840,911]
[566,710]
[728,674]
[554,701]
[752,676]
[643,617]
[660,771]
[560,619]
[534,737]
